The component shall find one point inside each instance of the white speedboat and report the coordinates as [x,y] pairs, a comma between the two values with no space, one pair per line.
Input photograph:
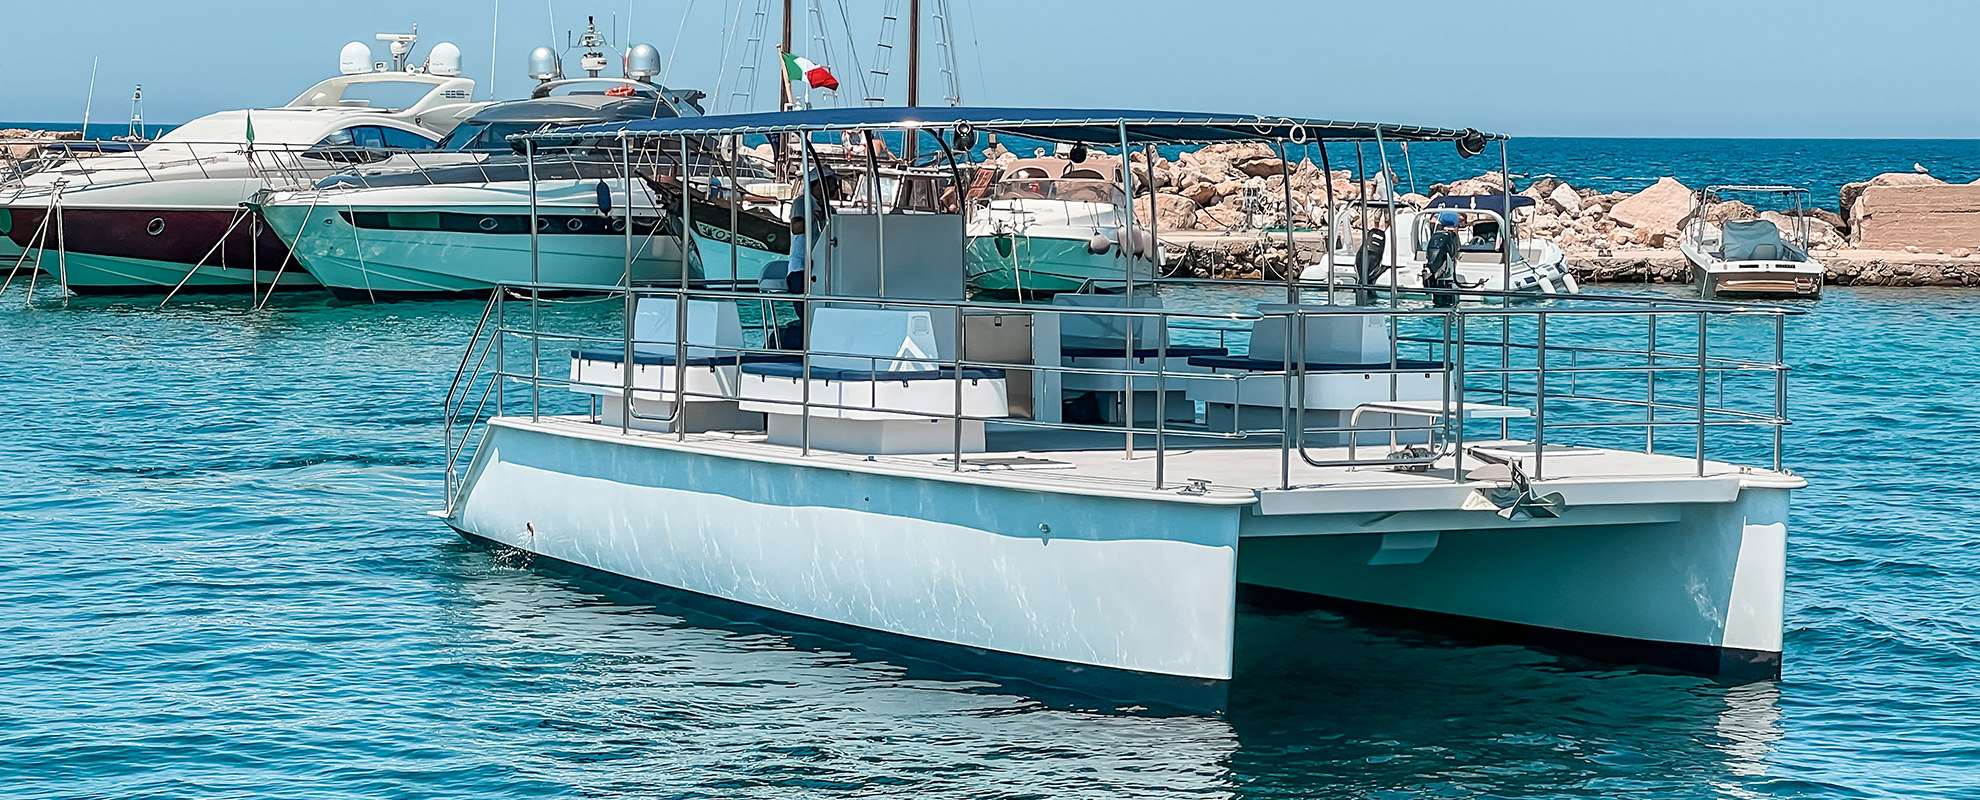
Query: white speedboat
[1394,255]
[171,214]
[911,475]
[1048,225]
[1751,258]
[461,228]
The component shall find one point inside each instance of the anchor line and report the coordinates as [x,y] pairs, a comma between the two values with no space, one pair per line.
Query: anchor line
[40,235]
[239,214]
[50,218]
[289,254]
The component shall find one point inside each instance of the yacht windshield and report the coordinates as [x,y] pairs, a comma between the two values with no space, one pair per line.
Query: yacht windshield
[487,136]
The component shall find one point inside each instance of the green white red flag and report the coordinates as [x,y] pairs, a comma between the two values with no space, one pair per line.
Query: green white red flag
[799,68]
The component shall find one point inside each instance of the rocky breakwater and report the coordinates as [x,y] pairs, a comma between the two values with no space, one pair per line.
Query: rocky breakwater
[1900,229]
[20,143]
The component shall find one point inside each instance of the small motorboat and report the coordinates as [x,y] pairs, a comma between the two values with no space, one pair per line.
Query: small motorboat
[1751,257]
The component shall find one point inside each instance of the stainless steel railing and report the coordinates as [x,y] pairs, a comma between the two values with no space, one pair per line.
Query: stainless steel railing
[1589,370]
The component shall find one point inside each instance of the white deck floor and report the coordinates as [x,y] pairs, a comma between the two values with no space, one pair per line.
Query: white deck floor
[1097,464]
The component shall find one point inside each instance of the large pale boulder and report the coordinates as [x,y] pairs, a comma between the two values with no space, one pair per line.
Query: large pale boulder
[1930,217]
[1566,199]
[1658,208]
[1846,198]
[1172,212]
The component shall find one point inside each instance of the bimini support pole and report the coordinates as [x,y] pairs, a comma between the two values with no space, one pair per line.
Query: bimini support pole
[1127,258]
[535,288]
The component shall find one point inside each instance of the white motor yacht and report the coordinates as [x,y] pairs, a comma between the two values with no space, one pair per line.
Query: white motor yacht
[1751,258]
[460,228]
[908,472]
[1050,224]
[171,215]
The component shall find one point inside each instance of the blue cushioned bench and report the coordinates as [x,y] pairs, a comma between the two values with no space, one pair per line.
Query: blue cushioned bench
[617,355]
[1175,351]
[794,369]
[1248,364]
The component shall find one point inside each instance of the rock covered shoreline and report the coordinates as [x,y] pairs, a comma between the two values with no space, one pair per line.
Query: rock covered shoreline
[1896,229]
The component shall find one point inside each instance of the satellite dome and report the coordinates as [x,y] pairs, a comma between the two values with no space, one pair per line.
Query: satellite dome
[545,65]
[642,62]
[354,59]
[444,60]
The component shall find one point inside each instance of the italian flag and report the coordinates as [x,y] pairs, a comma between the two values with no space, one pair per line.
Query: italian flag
[799,68]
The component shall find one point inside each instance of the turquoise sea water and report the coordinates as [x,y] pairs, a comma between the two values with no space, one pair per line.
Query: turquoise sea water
[222,581]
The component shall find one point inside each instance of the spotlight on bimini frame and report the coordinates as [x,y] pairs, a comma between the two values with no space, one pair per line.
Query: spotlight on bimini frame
[1470,143]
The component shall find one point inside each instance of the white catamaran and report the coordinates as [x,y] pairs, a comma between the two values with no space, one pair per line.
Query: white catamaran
[904,468]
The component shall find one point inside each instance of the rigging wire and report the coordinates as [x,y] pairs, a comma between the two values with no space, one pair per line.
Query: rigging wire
[852,49]
[674,53]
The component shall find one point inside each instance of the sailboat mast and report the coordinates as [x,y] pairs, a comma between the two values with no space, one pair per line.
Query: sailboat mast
[914,53]
[790,99]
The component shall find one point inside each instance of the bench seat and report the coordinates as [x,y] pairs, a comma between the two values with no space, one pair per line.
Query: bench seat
[794,369]
[1247,364]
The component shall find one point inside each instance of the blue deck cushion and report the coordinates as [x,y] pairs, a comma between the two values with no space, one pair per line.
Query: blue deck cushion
[617,355]
[1273,365]
[795,370]
[1175,351]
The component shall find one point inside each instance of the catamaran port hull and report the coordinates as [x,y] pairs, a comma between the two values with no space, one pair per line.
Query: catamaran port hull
[1684,573]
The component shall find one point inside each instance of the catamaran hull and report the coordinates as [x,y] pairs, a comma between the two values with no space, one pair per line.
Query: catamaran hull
[1145,586]
[354,253]
[141,251]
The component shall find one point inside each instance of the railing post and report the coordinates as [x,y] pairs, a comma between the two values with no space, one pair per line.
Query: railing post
[1540,401]
[1650,408]
[1161,389]
[1457,392]
[1780,384]
[1701,393]
[956,421]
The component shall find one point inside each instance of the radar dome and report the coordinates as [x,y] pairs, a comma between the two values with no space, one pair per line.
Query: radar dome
[444,60]
[354,59]
[642,62]
[545,65]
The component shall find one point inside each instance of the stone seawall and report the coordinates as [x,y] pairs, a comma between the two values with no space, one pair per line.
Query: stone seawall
[1844,267]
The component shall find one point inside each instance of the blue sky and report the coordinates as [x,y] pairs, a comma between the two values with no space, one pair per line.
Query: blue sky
[1764,68]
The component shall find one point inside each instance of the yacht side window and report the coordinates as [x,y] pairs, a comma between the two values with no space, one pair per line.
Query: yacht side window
[406,140]
[336,139]
[368,136]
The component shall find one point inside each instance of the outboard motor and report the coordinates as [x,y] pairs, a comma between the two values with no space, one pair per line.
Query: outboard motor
[1368,266]
[1440,261]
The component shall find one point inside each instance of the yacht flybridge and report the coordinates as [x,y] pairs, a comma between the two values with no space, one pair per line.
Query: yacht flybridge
[170,215]
[876,452]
